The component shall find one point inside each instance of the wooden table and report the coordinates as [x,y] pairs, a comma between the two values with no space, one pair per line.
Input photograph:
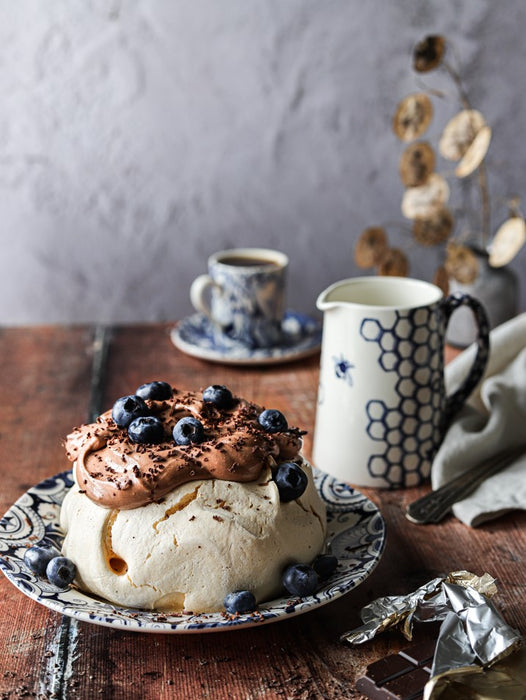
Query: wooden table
[52,379]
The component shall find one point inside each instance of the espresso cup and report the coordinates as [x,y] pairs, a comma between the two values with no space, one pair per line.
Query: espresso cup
[243,294]
[382,407]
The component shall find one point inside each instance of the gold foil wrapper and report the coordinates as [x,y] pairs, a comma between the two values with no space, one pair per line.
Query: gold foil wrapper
[473,636]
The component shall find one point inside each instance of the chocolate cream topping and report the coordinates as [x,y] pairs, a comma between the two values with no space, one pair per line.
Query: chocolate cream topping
[116,472]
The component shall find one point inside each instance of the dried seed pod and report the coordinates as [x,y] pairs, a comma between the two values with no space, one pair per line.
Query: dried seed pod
[435,230]
[370,247]
[428,53]
[412,116]
[461,263]
[475,154]
[441,279]
[507,242]
[425,201]
[514,205]
[394,263]
[459,133]
[416,164]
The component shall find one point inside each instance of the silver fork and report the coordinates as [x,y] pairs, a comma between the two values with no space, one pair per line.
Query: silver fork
[435,505]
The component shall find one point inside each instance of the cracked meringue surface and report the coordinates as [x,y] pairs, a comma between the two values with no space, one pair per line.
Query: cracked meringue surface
[205,539]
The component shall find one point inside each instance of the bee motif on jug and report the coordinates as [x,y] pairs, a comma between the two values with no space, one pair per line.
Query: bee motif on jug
[342,369]
[409,431]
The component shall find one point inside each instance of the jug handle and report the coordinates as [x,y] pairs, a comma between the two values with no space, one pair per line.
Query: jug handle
[456,400]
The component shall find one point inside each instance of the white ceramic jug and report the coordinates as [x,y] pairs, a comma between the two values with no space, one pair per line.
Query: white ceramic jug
[382,409]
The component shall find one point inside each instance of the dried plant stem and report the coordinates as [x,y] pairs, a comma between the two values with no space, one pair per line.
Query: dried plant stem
[485,205]
[455,77]
[485,214]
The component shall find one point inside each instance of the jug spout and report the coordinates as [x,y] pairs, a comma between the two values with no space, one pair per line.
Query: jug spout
[331,298]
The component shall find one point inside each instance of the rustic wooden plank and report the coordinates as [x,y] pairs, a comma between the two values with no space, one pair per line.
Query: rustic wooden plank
[300,657]
[45,384]
[61,645]
[494,548]
[450,353]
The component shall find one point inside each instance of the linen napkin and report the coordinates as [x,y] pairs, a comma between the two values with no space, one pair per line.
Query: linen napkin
[493,419]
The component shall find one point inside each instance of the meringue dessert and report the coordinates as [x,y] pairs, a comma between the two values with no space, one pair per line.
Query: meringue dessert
[183,500]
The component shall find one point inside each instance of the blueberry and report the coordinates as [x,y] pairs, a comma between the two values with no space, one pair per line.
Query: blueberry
[273,421]
[127,408]
[61,571]
[219,395]
[146,429]
[240,602]
[325,565]
[38,557]
[156,391]
[300,580]
[188,430]
[291,481]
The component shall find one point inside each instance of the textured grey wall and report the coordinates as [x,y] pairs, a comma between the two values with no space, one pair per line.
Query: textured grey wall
[137,137]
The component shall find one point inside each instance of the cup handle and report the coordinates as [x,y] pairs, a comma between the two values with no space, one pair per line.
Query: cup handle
[455,401]
[198,291]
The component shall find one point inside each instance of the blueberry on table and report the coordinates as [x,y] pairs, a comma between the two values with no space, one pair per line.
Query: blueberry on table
[156,391]
[240,602]
[127,408]
[325,565]
[272,420]
[38,557]
[146,430]
[219,395]
[291,481]
[188,431]
[61,572]
[300,580]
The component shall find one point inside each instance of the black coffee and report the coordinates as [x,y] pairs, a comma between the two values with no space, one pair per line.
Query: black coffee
[247,262]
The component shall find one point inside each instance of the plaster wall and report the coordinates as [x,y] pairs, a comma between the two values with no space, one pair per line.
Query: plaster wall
[137,137]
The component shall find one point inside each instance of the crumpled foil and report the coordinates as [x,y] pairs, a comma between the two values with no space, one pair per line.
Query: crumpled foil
[473,635]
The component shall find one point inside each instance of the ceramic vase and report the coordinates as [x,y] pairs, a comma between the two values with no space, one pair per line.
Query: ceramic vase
[497,288]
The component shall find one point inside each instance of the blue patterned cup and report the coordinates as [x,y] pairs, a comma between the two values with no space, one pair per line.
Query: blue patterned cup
[382,405]
[244,294]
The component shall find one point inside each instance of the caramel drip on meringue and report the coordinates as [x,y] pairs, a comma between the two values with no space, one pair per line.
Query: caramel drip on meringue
[116,472]
[114,562]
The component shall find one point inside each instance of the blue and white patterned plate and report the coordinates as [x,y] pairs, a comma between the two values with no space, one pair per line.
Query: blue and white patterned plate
[355,534]
[196,335]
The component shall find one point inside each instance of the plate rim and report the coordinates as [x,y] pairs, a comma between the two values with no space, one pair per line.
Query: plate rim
[124,619]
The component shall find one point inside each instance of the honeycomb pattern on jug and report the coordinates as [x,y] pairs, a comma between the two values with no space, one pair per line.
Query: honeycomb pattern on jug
[408,432]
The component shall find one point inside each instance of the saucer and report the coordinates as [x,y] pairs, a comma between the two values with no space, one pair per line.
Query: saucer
[196,335]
